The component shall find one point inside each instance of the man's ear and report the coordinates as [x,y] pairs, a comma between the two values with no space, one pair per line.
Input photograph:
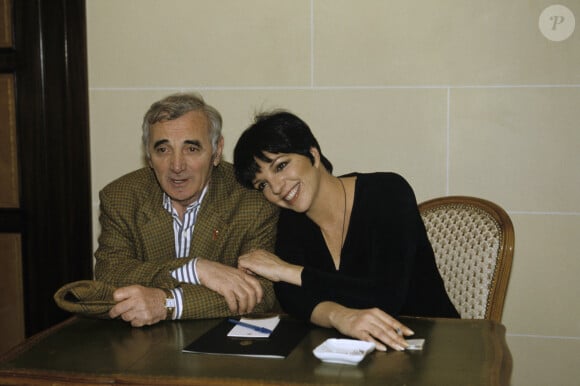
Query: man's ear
[217,155]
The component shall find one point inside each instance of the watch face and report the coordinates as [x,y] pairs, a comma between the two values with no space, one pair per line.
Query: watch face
[169,303]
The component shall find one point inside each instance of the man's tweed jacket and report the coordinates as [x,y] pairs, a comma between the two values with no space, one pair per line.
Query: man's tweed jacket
[137,246]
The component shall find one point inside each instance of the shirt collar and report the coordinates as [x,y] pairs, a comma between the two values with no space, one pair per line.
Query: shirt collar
[169,206]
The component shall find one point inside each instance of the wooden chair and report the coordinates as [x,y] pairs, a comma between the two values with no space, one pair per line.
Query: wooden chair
[473,241]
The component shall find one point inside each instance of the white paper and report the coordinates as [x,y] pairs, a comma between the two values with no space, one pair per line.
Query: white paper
[343,351]
[244,332]
[415,344]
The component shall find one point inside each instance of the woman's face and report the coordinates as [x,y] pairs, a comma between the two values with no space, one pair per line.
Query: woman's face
[290,181]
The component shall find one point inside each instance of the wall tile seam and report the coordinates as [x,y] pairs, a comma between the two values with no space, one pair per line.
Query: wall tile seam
[312,53]
[331,88]
[448,144]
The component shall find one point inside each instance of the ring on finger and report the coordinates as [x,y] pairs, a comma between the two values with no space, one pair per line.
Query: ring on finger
[398,331]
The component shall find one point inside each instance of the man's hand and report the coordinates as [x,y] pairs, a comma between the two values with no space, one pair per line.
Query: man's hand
[141,306]
[240,290]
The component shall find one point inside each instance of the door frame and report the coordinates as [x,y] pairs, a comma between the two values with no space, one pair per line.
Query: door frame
[49,63]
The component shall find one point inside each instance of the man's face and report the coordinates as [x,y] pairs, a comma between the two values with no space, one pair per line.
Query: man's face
[182,157]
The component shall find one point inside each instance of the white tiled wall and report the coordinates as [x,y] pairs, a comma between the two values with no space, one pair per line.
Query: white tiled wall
[459,97]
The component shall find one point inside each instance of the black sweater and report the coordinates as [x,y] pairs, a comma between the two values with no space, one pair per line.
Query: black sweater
[386,261]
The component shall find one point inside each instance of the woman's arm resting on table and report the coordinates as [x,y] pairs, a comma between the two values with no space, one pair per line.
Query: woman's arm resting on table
[372,325]
[270,266]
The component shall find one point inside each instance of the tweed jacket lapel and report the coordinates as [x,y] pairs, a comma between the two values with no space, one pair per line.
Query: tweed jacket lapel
[211,229]
[154,221]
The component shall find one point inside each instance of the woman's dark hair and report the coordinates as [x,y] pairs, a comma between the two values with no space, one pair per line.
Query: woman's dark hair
[278,131]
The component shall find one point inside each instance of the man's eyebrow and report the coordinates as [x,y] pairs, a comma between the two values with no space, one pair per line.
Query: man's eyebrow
[160,142]
[194,142]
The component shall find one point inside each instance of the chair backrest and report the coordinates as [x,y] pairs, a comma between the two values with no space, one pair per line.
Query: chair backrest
[473,242]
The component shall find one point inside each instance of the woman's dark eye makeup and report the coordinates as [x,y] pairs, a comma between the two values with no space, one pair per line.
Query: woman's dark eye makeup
[277,167]
[281,165]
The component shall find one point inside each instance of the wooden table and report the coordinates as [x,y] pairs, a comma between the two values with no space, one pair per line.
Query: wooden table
[89,351]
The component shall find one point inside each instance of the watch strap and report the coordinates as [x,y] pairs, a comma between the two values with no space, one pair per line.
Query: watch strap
[169,304]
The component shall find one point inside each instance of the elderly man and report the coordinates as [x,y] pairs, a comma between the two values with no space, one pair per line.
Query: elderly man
[172,232]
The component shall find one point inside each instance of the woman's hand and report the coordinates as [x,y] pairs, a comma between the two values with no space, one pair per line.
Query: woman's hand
[270,266]
[371,325]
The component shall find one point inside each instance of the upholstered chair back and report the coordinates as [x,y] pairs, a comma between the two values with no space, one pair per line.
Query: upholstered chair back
[473,241]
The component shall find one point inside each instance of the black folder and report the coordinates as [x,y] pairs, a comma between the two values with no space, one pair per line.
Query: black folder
[281,342]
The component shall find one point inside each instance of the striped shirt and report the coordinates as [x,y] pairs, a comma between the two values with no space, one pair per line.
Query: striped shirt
[183,233]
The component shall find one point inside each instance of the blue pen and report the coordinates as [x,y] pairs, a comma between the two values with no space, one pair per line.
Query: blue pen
[251,326]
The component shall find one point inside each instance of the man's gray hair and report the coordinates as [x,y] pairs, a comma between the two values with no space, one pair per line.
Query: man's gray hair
[175,106]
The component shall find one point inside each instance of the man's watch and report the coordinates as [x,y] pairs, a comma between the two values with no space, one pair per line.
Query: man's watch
[169,304]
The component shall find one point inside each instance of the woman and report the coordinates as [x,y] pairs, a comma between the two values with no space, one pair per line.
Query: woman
[351,252]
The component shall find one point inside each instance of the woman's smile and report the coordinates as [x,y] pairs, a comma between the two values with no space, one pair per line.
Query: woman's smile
[292,194]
